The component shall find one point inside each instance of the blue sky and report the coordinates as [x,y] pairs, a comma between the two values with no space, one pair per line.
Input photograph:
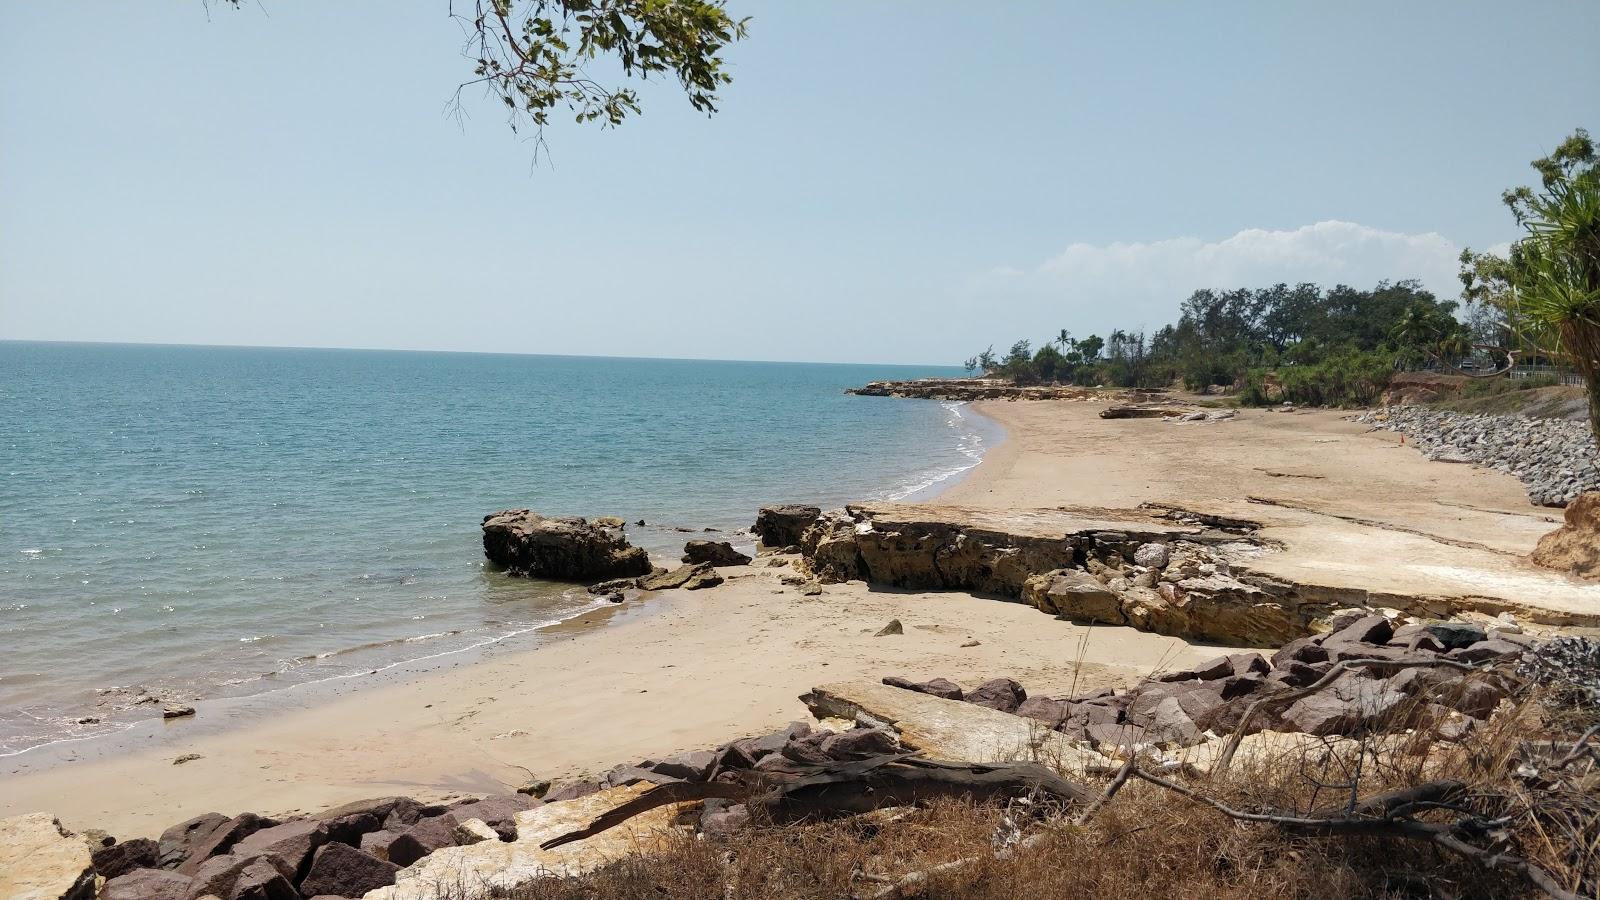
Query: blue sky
[888,181]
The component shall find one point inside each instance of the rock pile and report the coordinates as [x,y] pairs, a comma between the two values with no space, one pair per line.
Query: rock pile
[966,389]
[1189,707]
[342,853]
[1555,459]
[567,549]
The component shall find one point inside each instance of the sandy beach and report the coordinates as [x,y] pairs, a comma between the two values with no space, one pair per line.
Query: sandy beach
[689,670]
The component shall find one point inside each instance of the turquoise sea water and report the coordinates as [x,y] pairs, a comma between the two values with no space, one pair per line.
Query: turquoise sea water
[199,521]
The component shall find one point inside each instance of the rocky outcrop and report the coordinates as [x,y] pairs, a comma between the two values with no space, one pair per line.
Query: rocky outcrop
[569,549]
[1144,411]
[967,389]
[781,526]
[40,860]
[1575,546]
[1555,459]
[716,553]
[1190,707]
[690,578]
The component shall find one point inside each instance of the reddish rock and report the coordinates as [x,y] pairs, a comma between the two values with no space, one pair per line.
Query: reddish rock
[1218,667]
[222,839]
[376,843]
[1365,630]
[422,839]
[344,871]
[497,812]
[120,859]
[1302,650]
[288,846]
[694,766]
[574,790]
[147,884]
[858,743]
[349,829]
[179,842]
[261,880]
[999,693]
[1484,651]
[1296,674]
[937,687]
[1051,712]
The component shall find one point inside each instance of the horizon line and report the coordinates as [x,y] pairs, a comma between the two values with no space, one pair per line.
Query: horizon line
[802,362]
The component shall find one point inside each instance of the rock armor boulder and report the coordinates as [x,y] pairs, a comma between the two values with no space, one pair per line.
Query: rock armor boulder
[569,549]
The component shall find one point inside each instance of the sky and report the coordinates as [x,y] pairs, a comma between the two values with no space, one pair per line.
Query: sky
[902,181]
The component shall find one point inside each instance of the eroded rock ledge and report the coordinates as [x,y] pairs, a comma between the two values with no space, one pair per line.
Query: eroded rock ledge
[1157,569]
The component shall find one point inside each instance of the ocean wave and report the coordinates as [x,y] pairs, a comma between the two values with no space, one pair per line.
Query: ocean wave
[970,446]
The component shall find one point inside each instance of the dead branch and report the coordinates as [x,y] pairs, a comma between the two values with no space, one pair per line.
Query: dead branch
[1443,835]
[1229,748]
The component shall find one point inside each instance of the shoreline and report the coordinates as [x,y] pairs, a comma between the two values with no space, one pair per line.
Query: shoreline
[120,730]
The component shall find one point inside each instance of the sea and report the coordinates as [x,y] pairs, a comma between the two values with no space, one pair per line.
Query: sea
[182,522]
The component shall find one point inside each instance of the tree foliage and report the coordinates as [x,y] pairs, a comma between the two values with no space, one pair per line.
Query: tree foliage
[1546,289]
[1329,347]
[535,55]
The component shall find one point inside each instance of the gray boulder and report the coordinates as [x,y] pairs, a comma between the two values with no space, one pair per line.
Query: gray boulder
[571,549]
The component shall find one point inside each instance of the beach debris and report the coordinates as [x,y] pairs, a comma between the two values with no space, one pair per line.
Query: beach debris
[527,544]
[811,588]
[716,553]
[176,711]
[187,757]
[970,643]
[777,563]
[39,858]
[894,627]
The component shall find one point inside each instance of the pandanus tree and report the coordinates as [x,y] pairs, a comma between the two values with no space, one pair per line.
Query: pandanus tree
[1547,287]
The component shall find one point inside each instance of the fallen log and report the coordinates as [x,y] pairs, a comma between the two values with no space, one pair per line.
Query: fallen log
[849,788]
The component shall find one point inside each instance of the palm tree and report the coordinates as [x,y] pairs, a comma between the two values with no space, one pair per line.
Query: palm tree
[1549,284]
[1063,339]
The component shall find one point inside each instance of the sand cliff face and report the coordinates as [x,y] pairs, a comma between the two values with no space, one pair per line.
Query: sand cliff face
[1574,547]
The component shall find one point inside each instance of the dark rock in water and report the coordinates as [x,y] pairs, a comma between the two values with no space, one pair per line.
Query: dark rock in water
[614,585]
[120,859]
[343,871]
[422,839]
[178,842]
[147,884]
[288,846]
[525,543]
[717,553]
[781,526]
[1000,693]
[937,687]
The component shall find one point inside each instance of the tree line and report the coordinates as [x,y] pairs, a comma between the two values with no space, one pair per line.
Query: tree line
[1299,342]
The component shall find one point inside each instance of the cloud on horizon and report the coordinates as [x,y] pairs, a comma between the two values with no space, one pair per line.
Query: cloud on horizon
[1095,287]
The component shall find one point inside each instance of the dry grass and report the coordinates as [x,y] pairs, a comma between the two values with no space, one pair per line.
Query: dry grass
[1151,842]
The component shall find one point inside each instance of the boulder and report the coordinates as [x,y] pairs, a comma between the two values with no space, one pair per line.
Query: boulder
[938,687]
[1051,712]
[40,860]
[351,828]
[473,831]
[147,884]
[1302,650]
[859,743]
[716,553]
[1364,705]
[498,812]
[1455,635]
[572,549]
[342,870]
[1152,555]
[999,693]
[288,846]
[217,875]
[692,766]
[1574,548]
[1485,651]
[421,839]
[1215,668]
[120,859]
[1364,630]
[376,843]
[754,748]
[222,839]
[782,526]
[1074,594]
[179,842]
[391,811]
[894,627]
[572,791]
[691,577]
[260,879]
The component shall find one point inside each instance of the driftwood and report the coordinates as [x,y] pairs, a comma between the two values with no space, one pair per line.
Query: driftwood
[1140,412]
[849,788]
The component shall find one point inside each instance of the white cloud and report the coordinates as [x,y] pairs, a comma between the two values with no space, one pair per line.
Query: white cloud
[1094,287]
